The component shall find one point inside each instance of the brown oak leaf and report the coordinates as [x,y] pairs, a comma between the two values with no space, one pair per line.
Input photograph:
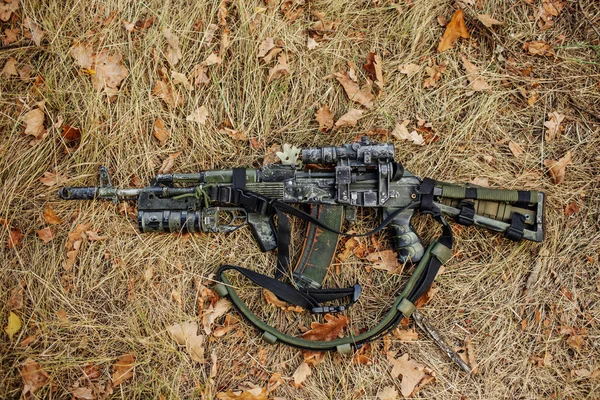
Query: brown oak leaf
[324,117]
[34,378]
[386,260]
[557,168]
[330,330]
[539,48]
[454,29]
[414,375]
[553,125]
[354,92]
[123,369]
[349,119]
[160,131]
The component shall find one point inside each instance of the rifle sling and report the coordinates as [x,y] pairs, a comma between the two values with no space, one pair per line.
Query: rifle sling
[312,299]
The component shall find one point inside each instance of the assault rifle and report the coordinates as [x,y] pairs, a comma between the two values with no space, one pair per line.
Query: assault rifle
[361,174]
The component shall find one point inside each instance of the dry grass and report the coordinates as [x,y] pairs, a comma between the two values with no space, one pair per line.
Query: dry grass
[111,309]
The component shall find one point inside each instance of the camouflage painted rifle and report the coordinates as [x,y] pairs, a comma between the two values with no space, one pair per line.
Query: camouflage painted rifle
[362,174]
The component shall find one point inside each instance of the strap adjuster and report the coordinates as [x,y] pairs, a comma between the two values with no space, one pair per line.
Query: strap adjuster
[327,309]
[517,225]
[467,212]
[357,290]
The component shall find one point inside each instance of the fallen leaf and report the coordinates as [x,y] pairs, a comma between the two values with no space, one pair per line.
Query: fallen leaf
[515,148]
[374,68]
[313,358]
[301,373]
[84,393]
[324,117]
[477,83]
[571,209]
[289,155]
[271,155]
[454,29]
[251,394]
[222,13]
[199,115]
[7,8]
[16,297]
[388,393]
[176,296]
[10,68]
[481,181]
[109,73]
[181,79]
[167,93]
[93,236]
[471,355]
[212,59]
[83,53]
[209,34]
[34,28]
[160,131]
[34,121]
[50,216]
[414,375]
[359,95]
[225,41]
[554,129]
[401,132]
[173,53]
[434,74]
[181,332]
[409,69]
[14,238]
[386,260]
[279,70]
[557,168]
[426,297]
[539,48]
[34,378]
[46,234]
[330,330]
[123,369]
[349,119]
[71,134]
[168,163]
[213,313]
[234,134]
[10,35]
[52,179]
[13,325]
[265,46]
[408,335]
[200,75]
[488,21]
[548,11]
[272,299]
[311,43]
[533,98]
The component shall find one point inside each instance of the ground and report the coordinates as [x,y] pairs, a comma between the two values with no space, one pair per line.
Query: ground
[106,292]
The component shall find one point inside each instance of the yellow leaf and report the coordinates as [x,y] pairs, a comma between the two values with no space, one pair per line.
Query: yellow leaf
[14,325]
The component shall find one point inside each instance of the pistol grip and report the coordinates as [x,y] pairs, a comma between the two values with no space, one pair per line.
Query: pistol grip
[263,231]
[405,240]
